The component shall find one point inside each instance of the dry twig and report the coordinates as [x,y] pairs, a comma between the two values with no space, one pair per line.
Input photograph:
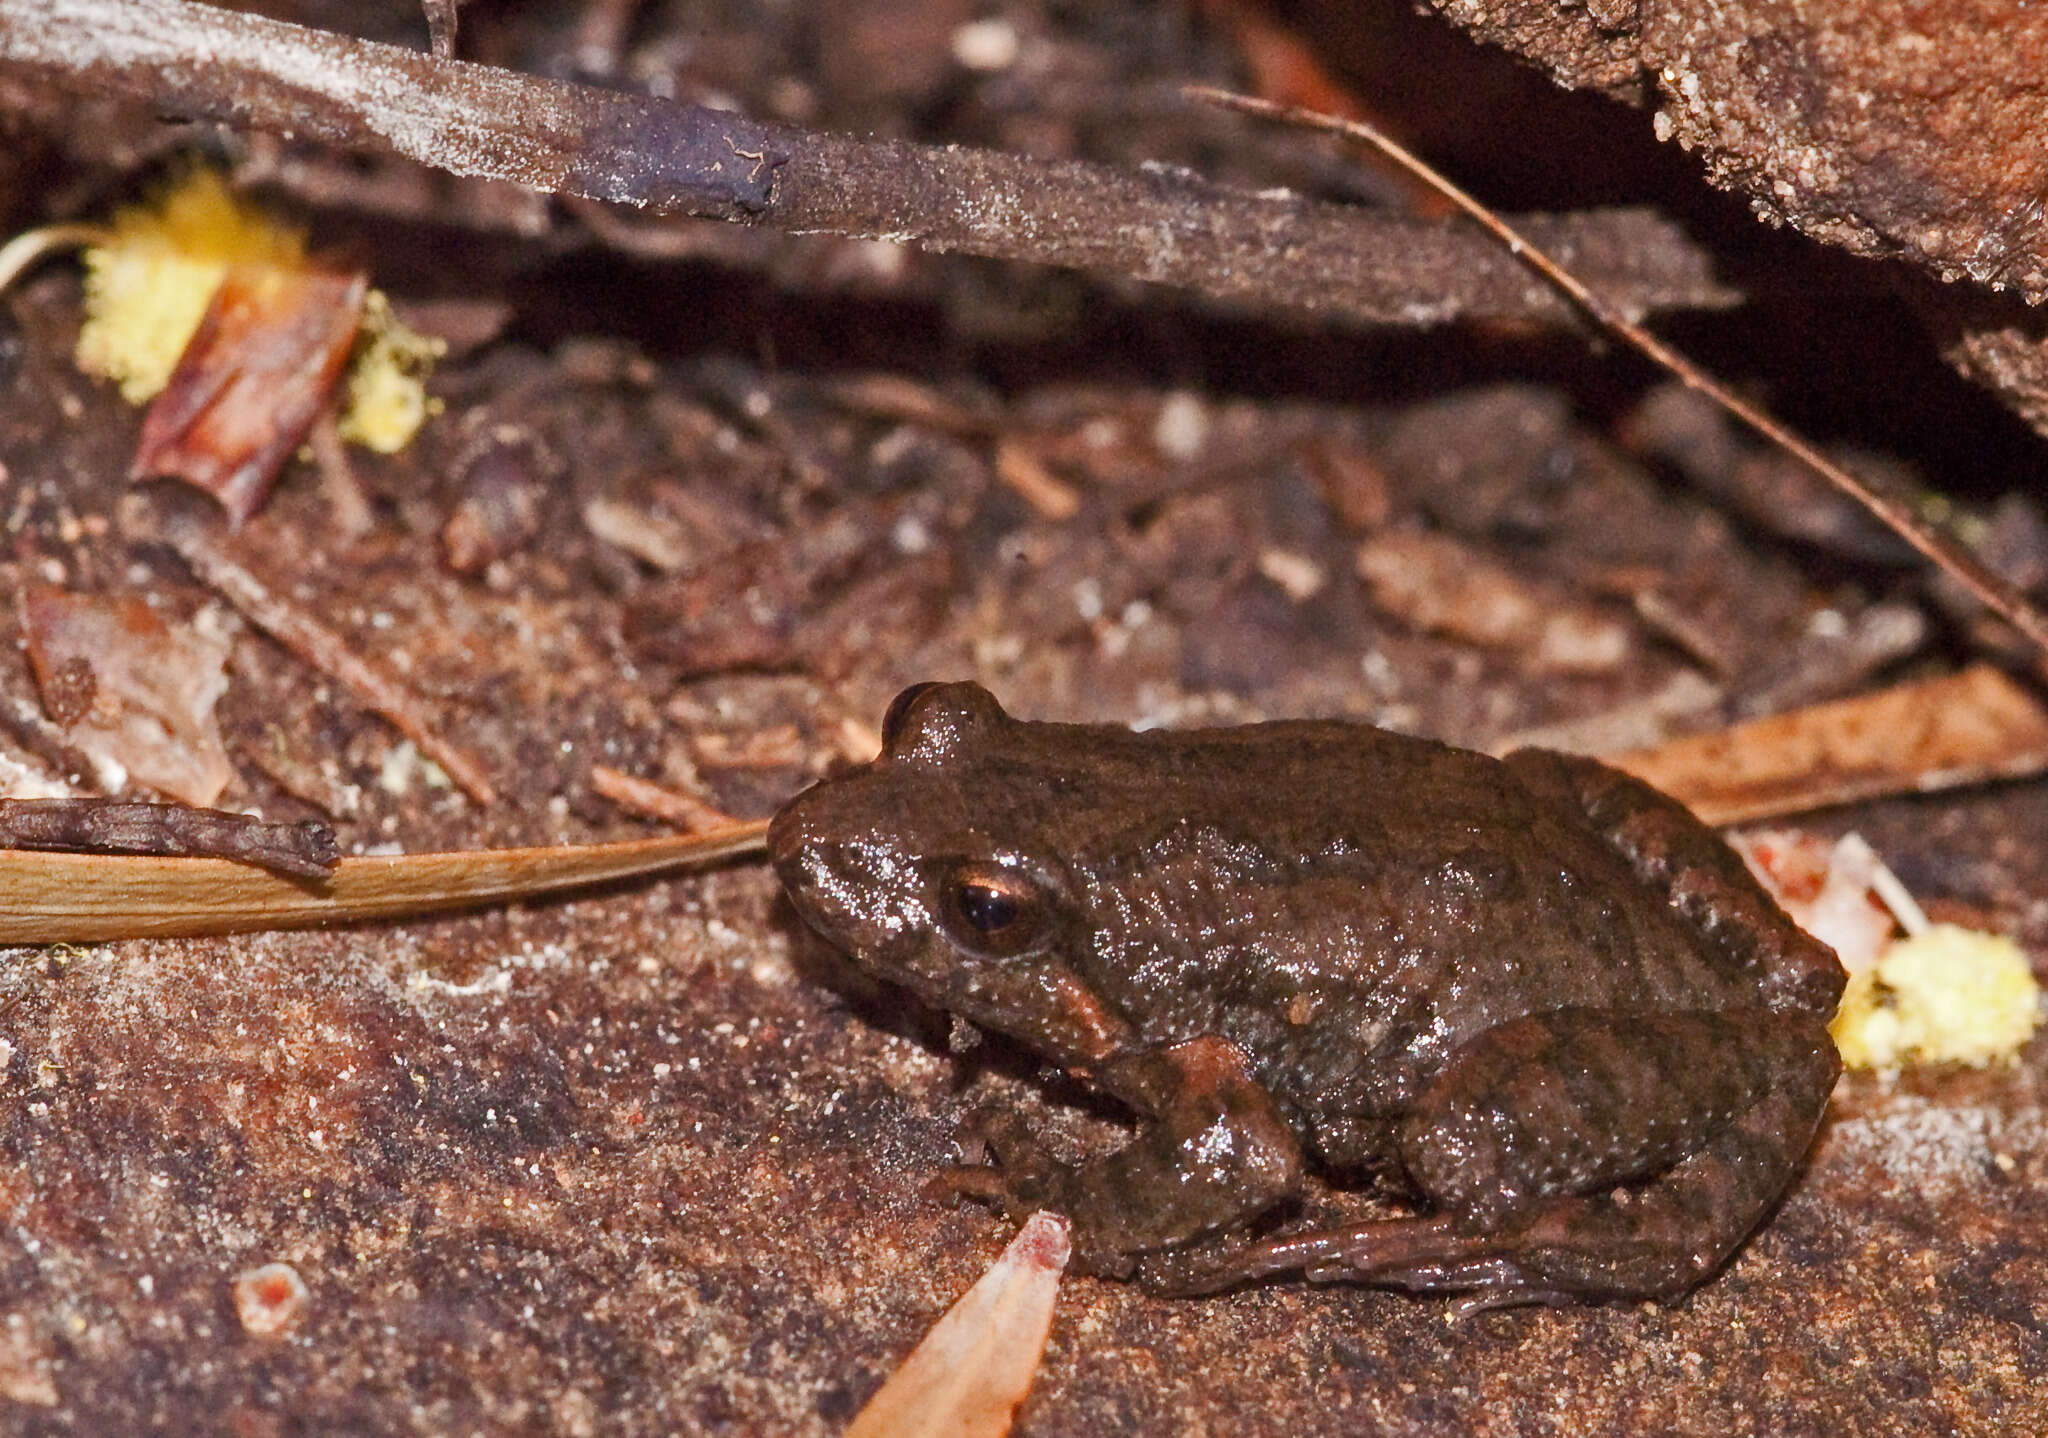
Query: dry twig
[657,801]
[318,646]
[1996,594]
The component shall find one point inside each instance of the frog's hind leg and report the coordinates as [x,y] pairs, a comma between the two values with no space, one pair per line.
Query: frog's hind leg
[1577,1154]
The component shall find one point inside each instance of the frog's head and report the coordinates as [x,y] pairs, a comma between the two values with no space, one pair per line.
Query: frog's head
[934,867]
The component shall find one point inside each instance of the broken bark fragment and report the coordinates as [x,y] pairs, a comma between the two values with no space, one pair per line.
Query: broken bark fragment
[255,376]
[1888,129]
[113,826]
[129,689]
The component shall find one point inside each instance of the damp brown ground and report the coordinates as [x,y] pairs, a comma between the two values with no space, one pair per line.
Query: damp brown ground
[650,1161]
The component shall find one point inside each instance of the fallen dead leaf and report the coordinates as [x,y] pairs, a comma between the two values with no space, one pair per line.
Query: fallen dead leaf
[130,690]
[1913,738]
[966,1379]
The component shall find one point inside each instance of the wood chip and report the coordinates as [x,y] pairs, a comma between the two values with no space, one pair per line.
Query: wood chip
[1912,739]
[1020,469]
[966,1379]
[645,536]
[1437,584]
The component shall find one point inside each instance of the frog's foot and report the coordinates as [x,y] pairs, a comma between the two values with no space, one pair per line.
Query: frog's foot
[1431,1254]
[1215,1153]
[1004,1164]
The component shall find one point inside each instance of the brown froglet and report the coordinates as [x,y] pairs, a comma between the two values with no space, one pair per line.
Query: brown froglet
[1532,993]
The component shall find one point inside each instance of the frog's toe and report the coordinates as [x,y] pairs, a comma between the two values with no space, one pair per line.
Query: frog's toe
[1208,1266]
[963,1182]
[1184,1275]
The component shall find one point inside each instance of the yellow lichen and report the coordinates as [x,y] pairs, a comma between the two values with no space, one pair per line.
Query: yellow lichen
[148,286]
[387,392]
[1948,995]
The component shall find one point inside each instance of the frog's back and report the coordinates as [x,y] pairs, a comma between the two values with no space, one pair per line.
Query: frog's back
[1348,905]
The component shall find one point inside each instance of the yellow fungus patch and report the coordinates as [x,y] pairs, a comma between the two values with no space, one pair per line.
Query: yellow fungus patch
[387,395]
[1947,995]
[148,286]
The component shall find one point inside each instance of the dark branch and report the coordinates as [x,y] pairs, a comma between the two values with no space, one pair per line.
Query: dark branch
[1161,225]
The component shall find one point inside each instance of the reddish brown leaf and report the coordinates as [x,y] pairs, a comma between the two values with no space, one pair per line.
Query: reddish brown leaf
[130,689]
[1915,738]
[258,371]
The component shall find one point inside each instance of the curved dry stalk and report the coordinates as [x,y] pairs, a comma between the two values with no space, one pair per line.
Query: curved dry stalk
[1996,594]
[31,247]
[89,898]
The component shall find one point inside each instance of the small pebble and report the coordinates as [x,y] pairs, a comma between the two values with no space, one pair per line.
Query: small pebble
[1182,429]
[269,1299]
[986,46]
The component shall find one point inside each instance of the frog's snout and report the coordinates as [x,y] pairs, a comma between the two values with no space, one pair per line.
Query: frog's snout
[794,845]
[834,881]
[786,833]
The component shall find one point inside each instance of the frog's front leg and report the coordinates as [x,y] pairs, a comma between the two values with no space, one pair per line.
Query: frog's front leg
[1211,1150]
[1578,1154]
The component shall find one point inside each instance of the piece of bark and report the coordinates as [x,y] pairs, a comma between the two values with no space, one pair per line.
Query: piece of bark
[113,826]
[1886,128]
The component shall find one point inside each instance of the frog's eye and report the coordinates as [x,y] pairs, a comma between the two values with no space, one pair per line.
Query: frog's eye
[993,910]
[899,710]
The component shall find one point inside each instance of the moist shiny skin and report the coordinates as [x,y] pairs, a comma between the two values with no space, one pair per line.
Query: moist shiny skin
[1533,992]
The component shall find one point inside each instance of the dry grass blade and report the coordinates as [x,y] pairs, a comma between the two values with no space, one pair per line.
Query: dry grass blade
[2000,597]
[28,249]
[1915,738]
[89,898]
[967,1377]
